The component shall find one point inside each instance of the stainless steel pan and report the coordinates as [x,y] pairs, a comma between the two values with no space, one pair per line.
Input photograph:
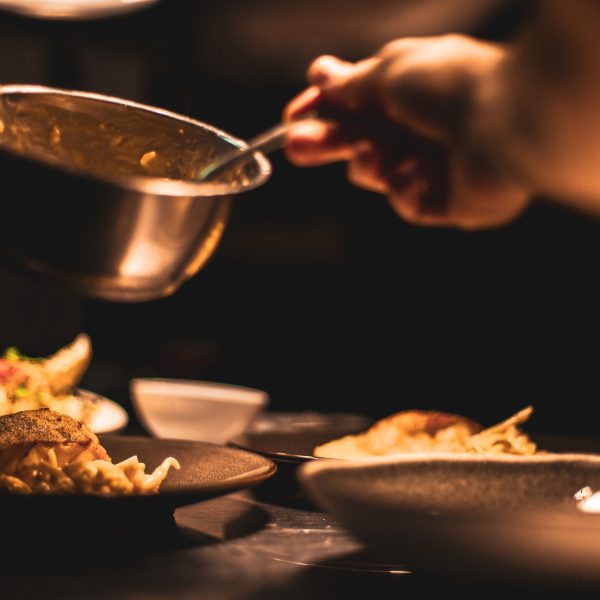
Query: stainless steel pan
[103,193]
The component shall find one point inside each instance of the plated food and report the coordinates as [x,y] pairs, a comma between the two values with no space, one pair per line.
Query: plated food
[413,431]
[28,383]
[46,452]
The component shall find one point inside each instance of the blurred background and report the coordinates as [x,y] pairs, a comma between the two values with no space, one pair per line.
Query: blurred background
[318,293]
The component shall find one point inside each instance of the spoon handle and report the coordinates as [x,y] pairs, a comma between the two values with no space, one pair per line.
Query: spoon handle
[265,142]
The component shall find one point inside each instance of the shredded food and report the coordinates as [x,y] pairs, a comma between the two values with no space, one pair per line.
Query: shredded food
[503,438]
[40,473]
[415,431]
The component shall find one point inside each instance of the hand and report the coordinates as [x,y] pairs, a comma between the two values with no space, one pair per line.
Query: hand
[412,123]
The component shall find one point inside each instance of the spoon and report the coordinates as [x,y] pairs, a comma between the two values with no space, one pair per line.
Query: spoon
[265,142]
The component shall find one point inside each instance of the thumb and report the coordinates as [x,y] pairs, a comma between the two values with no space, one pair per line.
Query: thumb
[344,86]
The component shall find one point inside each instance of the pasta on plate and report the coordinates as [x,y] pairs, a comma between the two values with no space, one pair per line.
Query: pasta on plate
[46,452]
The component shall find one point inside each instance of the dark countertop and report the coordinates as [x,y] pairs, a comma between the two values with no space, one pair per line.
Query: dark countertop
[235,546]
[238,546]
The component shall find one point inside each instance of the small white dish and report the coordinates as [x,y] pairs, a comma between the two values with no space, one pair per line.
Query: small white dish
[195,410]
[514,519]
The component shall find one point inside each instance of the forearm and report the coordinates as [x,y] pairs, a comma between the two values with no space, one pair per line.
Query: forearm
[539,114]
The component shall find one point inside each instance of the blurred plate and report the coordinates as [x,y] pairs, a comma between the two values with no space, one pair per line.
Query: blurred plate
[291,437]
[73,9]
[109,417]
[207,470]
[510,519]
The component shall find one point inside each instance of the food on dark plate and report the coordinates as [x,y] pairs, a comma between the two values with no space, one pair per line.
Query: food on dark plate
[29,383]
[46,452]
[412,431]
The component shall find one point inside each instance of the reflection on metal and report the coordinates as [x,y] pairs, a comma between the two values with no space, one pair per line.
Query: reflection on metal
[206,250]
[107,190]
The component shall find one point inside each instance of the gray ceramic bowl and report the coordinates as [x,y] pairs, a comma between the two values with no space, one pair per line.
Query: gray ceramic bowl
[102,193]
[512,519]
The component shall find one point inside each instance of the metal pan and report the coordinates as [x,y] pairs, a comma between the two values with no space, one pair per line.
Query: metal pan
[103,193]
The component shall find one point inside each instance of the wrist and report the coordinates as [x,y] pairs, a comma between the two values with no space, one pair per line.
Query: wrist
[489,136]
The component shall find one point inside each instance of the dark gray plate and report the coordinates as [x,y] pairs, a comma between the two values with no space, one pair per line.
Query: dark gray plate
[207,470]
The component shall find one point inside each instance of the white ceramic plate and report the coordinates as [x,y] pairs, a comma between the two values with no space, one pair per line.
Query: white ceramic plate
[109,417]
[510,519]
[73,9]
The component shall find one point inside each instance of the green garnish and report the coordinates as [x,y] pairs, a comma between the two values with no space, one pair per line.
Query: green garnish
[21,392]
[13,353]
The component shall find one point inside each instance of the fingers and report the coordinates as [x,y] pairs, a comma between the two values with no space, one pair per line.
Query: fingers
[419,190]
[337,87]
[345,86]
[327,69]
[306,101]
[365,169]
[408,185]
[406,197]
[336,90]
[316,142]
[411,182]
[322,71]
